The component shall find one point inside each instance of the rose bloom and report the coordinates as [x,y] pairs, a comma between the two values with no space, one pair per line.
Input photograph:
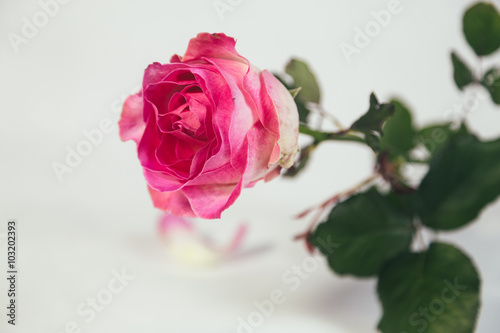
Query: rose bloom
[207,125]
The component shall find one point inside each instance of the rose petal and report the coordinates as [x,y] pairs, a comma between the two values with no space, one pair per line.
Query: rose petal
[220,188]
[211,46]
[237,240]
[268,116]
[131,124]
[255,85]
[170,223]
[175,58]
[146,149]
[154,172]
[218,117]
[157,97]
[275,172]
[162,181]
[288,118]
[210,201]
[219,50]
[260,147]
[174,202]
[155,73]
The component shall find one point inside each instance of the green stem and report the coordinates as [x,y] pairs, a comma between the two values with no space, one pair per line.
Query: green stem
[319,136]
[416,161]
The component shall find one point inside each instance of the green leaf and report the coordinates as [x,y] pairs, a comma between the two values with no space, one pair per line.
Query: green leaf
[373,141]
[433,292]
[320,136]
[434,137]
[463,177]
[294,92]
[369,230]
[303,111]
[399,133]
[481,26]
[491,81]
[402,202]
[304,78]
[373,120]
[461,73]
[299,166]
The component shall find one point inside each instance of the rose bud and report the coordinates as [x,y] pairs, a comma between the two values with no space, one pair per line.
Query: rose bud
[207,125]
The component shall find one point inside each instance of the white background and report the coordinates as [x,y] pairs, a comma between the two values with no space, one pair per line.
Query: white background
[73,233]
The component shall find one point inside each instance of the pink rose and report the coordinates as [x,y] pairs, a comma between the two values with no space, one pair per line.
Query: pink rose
[207,125]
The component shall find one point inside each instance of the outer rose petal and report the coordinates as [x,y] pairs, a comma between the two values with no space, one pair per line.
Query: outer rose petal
[173,202]
[131,123]
[288,118]
[187,244]
[210,201]
[264,134]
[217,46]
[155,73]
[169,223]
[259,151]
[275,172]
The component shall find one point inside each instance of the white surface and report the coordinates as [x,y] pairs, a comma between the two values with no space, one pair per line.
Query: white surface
[74,233]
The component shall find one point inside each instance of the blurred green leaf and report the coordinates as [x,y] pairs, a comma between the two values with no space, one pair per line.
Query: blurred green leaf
[320,136]
[481,27]
[402,202]
[463,177]
[299,166]
[434,137]
[399,133]
[304,78]
[491,81]
[369,230]
[373,120]
[461,73]
[373,141]
[303,111]
[434,291]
